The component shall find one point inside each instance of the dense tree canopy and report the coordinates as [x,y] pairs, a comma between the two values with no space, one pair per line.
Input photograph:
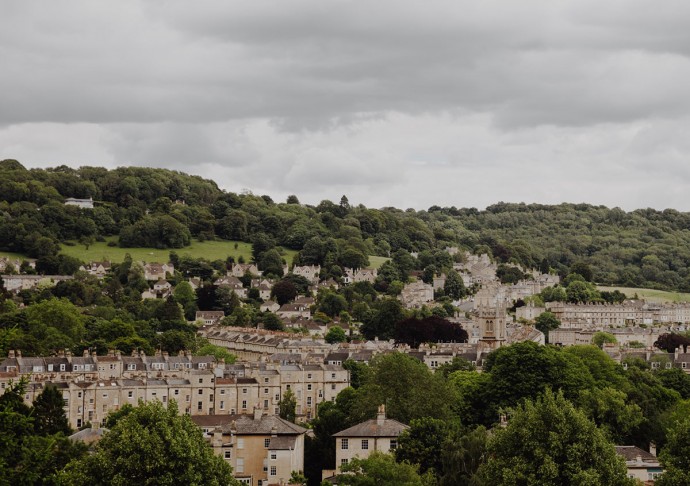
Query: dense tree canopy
[550,442]
[151,445]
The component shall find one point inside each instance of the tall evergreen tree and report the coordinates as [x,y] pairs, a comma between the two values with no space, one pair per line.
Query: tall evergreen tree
[49,414]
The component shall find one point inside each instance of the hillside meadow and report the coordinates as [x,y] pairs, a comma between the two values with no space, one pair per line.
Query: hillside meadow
[211,250]
[651,295]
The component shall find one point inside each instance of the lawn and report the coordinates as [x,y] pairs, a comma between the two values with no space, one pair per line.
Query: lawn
[211,250]
[377,261]
[651,295]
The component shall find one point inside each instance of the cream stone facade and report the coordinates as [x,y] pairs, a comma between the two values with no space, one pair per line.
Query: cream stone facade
[262,449]
[92,386]
[379,434]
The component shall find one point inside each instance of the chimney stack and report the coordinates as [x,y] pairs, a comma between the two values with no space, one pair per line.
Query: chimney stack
[652,448]
[258,412]
[381,415]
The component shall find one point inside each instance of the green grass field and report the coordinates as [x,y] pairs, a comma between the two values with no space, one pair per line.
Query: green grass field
[211,250]
[651,295]
[377,261]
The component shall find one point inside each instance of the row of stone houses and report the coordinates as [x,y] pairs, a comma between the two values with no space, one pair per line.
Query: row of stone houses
[92,386]
[629,313]
[17,283]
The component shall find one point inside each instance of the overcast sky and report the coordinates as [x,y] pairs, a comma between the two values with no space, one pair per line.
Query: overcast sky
[393,103]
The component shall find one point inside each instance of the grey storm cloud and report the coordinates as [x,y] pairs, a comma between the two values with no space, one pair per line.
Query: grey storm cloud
[527,62]
[403,103]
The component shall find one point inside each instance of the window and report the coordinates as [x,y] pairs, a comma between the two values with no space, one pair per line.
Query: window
[240,443]
[131,367]
[50,367]
[65,402]
[200,406]
[333,375]
[222,405]
[228,454]
[201,392]
[274,470]
[244,390]
[394,444]
[78,394]
[343,462]
[265,380]
[62,367]
[684,366]
[267,442]
[309,386]
[308,400]
[186,398]
[344,444]
[244,404]
[201,381]
[222,391]
[265,391]
[365,444]
[177,392]
[210,397]
[274,455]
[79,423]
[266,404]
[239,466]
[333,386]
[309,376]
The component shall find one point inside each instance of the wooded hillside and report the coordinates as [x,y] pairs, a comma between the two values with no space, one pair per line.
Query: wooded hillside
[160,208]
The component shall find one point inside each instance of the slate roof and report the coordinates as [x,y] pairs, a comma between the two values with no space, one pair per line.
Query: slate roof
[630,454]
[371,428]
[283,443]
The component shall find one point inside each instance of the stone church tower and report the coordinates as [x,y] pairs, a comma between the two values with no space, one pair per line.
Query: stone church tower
[491,316]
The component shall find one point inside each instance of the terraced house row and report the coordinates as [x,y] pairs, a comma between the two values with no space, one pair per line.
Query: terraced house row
[93,386]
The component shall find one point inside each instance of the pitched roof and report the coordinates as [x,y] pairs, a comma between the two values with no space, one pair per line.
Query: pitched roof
[630,453]
[372,428]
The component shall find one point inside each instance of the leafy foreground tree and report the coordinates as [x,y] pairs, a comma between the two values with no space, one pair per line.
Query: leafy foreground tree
[152,445]
[675,457]
[550,442]
[49,414]
[380,469]
[26,457]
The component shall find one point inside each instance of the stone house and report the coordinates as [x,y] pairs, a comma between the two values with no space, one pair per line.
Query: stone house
[80,203]
[416,294]
[310,272]
[641,465]
[17,283]
[262,449]
[379,434]
[239,269]
[270,306]
[210,317]
[353,275]
[97,269]
[158,271]
[232,283]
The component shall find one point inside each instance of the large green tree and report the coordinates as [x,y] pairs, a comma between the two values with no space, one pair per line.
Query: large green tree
[379,469]
[49,414]
[152,445]
[675,457]
[550,442]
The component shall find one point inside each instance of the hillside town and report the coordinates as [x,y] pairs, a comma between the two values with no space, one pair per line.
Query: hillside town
[237,404]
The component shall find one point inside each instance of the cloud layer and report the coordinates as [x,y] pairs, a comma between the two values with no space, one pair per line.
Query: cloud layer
[394,103]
